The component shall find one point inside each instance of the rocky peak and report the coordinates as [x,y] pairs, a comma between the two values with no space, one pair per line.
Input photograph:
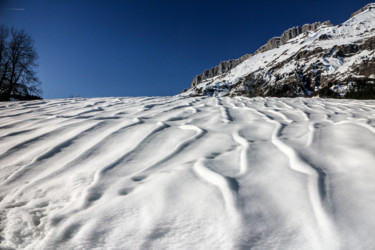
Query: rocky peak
[315,59]
[367,7]
[290,34]
[315,26]
[275,42]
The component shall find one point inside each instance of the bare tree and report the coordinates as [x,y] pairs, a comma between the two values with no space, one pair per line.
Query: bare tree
[18,64]
[4,32]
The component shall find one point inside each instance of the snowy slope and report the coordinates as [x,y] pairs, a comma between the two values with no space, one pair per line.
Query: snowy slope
[187,173]
[307,62]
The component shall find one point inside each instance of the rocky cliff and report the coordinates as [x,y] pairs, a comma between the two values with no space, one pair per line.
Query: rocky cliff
[222,68]
[315,59]
[290,34]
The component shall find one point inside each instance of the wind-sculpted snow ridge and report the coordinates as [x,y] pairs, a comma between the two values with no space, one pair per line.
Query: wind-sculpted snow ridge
[187,173]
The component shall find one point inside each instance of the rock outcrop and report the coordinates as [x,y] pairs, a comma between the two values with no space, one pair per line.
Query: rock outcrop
[315,59]
[222,68]
[367,7]
[290,34]
[274,42]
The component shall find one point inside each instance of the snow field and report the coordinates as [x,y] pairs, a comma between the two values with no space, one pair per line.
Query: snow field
[187,173]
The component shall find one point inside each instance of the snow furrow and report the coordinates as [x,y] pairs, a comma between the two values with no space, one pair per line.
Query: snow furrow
[223,184]
[93,192]
[67,164]
[244,164]
[226,117]
[314,187]
[51,149]
[178,149]
[187,173]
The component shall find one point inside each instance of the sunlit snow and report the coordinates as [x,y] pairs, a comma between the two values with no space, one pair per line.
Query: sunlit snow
[187,173]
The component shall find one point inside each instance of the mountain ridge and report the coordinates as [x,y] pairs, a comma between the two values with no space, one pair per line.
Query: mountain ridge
[315,59]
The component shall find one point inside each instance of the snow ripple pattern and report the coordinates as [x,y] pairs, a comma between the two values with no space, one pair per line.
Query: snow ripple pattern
[187,173]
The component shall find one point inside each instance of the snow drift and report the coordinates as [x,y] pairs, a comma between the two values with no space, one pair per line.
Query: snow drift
[187,173]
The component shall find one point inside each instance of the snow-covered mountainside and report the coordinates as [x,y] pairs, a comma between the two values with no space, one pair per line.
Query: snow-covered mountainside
[317,59]
[187,173]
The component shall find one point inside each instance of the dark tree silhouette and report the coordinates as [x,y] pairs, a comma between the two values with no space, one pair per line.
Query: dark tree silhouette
[18,64]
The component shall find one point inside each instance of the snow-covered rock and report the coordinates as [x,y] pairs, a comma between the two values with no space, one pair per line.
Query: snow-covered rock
[305,61]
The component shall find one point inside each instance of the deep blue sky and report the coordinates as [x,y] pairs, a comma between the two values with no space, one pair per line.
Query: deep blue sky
[100,48]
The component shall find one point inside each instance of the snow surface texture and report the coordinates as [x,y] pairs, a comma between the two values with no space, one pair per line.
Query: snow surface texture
[187,173]
[354,31]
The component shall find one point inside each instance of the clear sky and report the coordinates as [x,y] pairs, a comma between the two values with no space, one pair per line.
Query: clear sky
[99,48]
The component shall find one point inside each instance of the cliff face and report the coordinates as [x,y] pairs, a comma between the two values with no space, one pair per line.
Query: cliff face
[274,42]
[222,68]
[290,34]
[315,59]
